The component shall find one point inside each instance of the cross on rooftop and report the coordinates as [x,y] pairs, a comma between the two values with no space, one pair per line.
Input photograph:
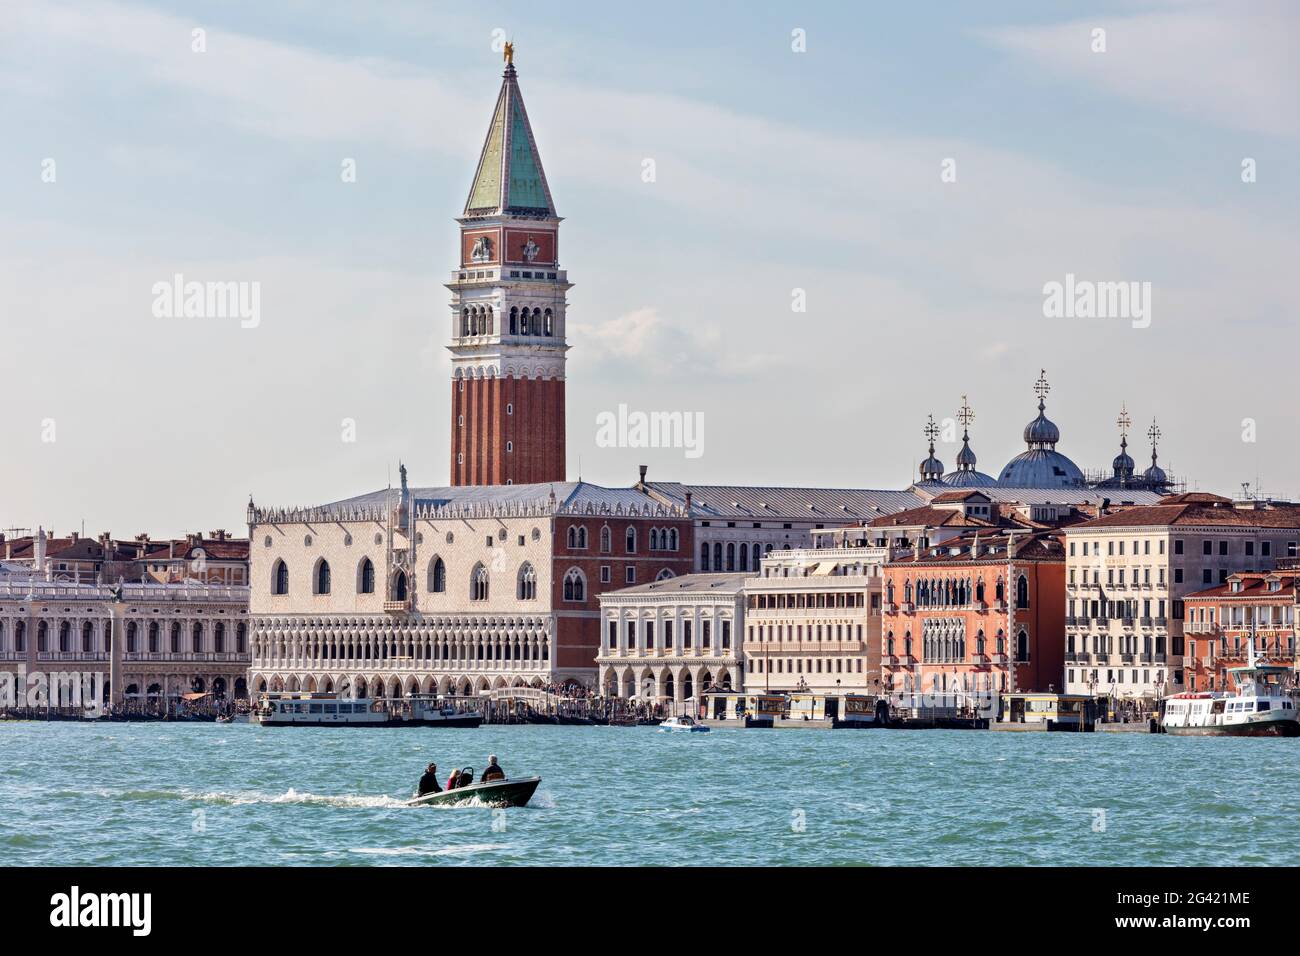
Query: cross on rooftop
[1041,388]
[1123,421]
[966,415]
[1153,432]
[931,430]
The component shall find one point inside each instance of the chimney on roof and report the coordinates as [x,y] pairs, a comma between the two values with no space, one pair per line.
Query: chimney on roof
[193,539]
[688,502]
[218,535]
[74,537]
[640,485]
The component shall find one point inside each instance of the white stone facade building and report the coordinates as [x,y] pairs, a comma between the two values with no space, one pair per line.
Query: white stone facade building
[1128,572]
[454,590]
[174,638]
[670,640]
[812,618]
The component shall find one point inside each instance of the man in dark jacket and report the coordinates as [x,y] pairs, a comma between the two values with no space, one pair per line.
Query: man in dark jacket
[493,771]
[429,782]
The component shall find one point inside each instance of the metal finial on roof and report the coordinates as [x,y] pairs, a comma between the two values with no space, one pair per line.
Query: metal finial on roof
[508,54]
[1153,433]
[1041,388]
[1124,422]
[965,414]
[931,432]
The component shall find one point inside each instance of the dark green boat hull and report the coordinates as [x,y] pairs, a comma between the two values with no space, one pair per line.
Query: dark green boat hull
[498,793]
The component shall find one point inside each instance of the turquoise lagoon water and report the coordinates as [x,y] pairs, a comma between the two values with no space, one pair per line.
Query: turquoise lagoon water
[207,794]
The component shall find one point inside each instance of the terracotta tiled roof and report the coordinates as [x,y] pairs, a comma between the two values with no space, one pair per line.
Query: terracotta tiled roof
[1219,514]
[1253,587]
[1037,546]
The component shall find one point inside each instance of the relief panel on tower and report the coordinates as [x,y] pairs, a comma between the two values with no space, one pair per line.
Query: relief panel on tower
[530,247]
[480,247]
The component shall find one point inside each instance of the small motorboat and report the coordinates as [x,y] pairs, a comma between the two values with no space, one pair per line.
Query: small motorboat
[682,725]
[495,793]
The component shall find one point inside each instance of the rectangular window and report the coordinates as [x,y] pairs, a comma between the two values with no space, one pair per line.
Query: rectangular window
[649,635]
[1178,546]
[604,574]
[686,635]
[726,635]
[613,634]
[668,635]
[705,634]
[630,574]
[631,635]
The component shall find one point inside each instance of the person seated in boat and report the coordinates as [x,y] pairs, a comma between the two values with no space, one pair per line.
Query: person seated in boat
[429,782]
[493,771]
[453,779]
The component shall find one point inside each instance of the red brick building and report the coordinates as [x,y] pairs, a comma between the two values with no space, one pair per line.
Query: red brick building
[982,612]
[508,313]
[604,553]
[1221,621]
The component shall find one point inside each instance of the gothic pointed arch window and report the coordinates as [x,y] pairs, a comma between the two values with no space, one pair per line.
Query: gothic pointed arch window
[572,537]
[654,539]
[399,586]
[575,585]
[630,539]
[1001,642]
[366,577]
[1022,645]
[1022,591]
[582,537]
[478,583]
[437,576]
[674,540]
[321,583]
[279,577]
[527,582]
[514,320]
[1000,590]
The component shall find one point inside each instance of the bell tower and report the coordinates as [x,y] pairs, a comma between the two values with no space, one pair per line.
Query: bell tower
[508,299]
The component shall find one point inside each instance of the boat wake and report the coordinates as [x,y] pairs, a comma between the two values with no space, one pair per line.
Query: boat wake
[468,849]
[249,797]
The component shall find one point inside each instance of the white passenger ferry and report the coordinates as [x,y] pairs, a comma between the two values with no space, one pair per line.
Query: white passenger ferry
[1261,707]
[304,709]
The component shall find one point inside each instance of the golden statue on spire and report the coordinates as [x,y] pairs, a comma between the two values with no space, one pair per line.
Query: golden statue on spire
[509,53]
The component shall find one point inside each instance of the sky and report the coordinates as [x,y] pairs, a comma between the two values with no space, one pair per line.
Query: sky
[914,175]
